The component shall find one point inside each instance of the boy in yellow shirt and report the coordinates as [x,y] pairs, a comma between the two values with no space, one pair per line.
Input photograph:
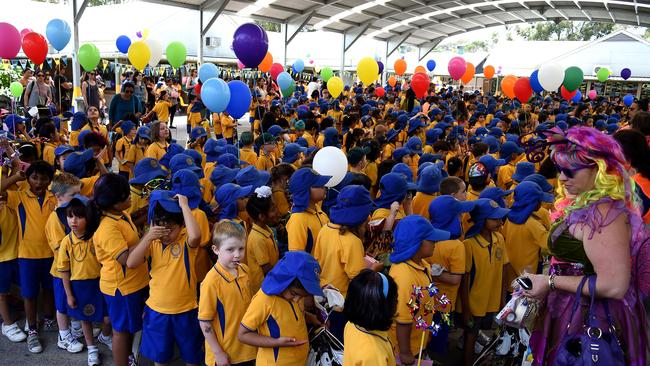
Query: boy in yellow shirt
[122,148]
[308,191]
[228,125]
[246,153]
[428,188]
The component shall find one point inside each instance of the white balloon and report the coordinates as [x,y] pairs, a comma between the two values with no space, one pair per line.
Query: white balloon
[331,161]
[156,51]
[550,76]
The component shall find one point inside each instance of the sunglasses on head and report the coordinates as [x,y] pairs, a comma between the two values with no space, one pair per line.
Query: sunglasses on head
[40,75]
[570,173]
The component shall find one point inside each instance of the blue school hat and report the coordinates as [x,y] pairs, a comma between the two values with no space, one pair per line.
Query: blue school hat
[251,176]
[228,160]
[231,149]
[406,171]
[183,161]
[415,123]
[186,182]
[496,194]
[612,128]
[222,175]
[302,142]
[62,149]
[331,137]
[172,150]
[198,132]
[146,170]
[227,195]
[78,121]
[198,158]
[482,131]
[165,199]
[434,112]
[491,163]
[77,197]
[275,130]
[414,144]
[527,198]
[127,126]
[75,163]
[144,132]
[507,149]
[353,206]
[448,119]
[541,181]
[445,213]
[484,209]
[393,188]
[300,183]
[496,132]
[409,234]
[429,179]
[294,265]
[429,158]
[432,135]
[391,135]
[522,170]
[81,137]
[292,152]
[400,152]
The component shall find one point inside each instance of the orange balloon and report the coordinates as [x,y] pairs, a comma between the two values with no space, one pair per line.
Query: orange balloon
[400,67]
[420,69]
[508,86]
[266,63]
[488,71]
[392,81]
[469,73]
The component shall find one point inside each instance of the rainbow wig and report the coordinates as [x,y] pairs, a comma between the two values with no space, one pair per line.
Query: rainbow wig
[581,147]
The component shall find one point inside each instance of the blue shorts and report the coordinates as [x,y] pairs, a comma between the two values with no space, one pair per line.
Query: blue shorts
[125,311]
[34,275]
[90,302]
[161,331]
[8,275]
[60,298]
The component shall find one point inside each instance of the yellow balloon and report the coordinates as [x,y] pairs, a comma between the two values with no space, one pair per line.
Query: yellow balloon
[145,33]
[335,86]
[367,70]
[139,55]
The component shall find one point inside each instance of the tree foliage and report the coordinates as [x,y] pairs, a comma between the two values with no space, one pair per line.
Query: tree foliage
[269,26]
[566,31]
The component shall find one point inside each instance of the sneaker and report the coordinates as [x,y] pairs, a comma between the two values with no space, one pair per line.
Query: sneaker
[93,357]
[77,333]
[33,343]
[96,332]
[70,344]
[13,332]
[49,325]
[106,340]
[132,360]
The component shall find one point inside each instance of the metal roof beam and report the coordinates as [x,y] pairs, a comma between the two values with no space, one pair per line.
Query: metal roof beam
[295,25]
[427,48]
[350,38]
[174,3]
[80,12]
[393,44]
[220,8]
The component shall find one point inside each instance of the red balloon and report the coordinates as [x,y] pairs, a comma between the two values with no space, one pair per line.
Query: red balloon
[420,84]
[567,94]
[380,92]
[276,69]
[35,47]
[197,89]
[523,90]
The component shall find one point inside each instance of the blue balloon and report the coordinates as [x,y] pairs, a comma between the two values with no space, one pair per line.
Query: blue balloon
[123,43]
[534,82]
[240,99]
[431,65]
[208,71]
[298,65]
[577,98]
[284,80]
[628,99]
[215,94]
[58,33]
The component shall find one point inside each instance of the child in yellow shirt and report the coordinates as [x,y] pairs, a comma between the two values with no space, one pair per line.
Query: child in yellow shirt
[307,188]
[262,251]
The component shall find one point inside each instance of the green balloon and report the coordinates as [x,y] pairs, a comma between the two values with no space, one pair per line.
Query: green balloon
[326,73]
[602,74]
[573,77]
[176,54]
[288,91]
[16,89]
[88,56]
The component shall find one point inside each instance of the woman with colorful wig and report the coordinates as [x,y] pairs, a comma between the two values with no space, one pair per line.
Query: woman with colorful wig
[597,231]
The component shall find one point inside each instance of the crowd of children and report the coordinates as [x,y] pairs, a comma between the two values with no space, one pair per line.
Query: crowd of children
[221,246]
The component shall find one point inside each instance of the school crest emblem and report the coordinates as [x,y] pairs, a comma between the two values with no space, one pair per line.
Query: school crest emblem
[89,310]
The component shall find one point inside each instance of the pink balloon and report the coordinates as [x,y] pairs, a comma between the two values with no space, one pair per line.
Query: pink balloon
[592,94]
[25,31]
[457,67]
[240,65]
[311,62]
[10,41]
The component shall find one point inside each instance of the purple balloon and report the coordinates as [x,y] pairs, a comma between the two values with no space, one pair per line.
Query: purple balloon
[381,66]
[250,44]
[626,73]
[10,41]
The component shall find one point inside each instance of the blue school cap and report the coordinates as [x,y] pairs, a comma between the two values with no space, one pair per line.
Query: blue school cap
[275,130]
[481,131]
[198,158]
[229,160]
[391,135]
[146,170]
[78,121]
[429,158]
[401,152]
[491,164]
[165,199]
[222,175]
[227,195]
[127,126]
[445,213]
[144,132]
[432,135]
[172,150]
[75,163]
[527,197]
[292,152]
[251,176]
[434,112]
[62,149]
[522,170]
[393,188]
[484,209]
[353,206]
[415,123]
[496,194]
[186,182]
[541,181]
[184,161]
[301,141]
[406,171]
[429,179]
[414,144]
[294,265]
[409,234]
[77,197]
[198,132]
[331,137]
[507,149]
[231,149]
[300,183]
[81,137]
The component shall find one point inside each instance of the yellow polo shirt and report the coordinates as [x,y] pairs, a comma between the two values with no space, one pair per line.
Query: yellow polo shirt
[406,275]
[114,236]
[310,139]
[156,150]
[340,257]
[228,125]
[303,228]
[122,147]
[367,347]
[265,162]
[32,213]
[275,317]
[524,245]
[261,249]
[139,200]
[9,231]
[48,153]
[223,301]
[421,202]
[504,175]
[383,213]
[451,255]
[54,232]
[281,202]
[162,110]
[87,185]
[77,256]
[248,155]
[387,152]
[133,155]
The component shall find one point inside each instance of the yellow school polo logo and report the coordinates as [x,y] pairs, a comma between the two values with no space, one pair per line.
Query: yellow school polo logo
[92,249]
[153,163]
[499,253]
[176,250]
[494,204]
[189,161]
[89,310]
